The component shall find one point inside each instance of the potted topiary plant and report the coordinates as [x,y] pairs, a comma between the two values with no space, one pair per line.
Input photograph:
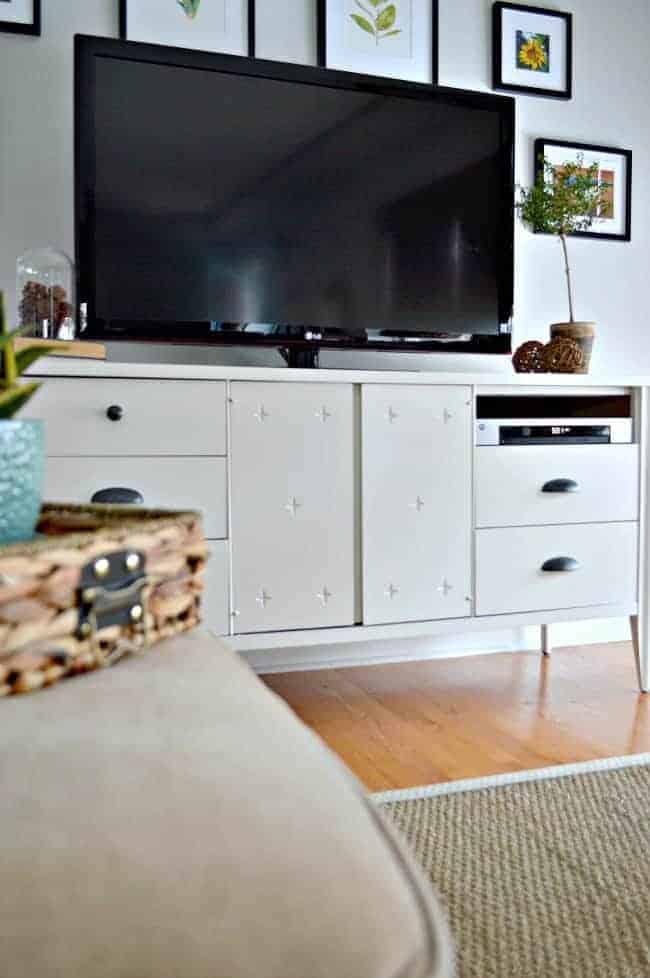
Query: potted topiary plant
[21,442]
[564,200]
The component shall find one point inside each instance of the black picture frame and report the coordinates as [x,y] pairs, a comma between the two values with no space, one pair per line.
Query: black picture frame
[540,153]
[30,30]
[321,47]
[497,52]
[251,25]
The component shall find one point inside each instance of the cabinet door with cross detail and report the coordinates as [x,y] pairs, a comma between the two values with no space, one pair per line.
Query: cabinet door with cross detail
[292,505]
[416,503]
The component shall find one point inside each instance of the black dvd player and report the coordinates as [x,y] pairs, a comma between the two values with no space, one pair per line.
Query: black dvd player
[552,434]
[551,431]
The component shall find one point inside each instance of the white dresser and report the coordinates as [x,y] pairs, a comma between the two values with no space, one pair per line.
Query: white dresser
[349,505]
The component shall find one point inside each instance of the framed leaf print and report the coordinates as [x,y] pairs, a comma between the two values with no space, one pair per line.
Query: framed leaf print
[391,38]
[532,50]
[20,17]
[224,26]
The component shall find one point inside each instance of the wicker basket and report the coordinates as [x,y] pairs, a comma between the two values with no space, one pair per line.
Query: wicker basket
[98,582]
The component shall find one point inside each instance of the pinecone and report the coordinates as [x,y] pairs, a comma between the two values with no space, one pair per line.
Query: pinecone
[40,303]
[529,358]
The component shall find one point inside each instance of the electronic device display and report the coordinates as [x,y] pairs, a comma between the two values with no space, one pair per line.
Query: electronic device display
[243,201]
[554,431]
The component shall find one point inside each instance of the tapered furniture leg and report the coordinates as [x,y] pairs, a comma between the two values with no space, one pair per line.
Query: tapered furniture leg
[640,623]
[546,639]
[641,656]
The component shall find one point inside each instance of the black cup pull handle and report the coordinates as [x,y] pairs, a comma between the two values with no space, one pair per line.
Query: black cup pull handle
[115,495]
[115,412]
[560,565]
[561,485]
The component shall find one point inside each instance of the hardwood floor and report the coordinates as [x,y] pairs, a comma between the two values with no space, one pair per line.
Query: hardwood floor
[410,724]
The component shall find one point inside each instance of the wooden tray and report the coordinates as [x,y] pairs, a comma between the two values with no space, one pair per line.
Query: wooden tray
[97,582]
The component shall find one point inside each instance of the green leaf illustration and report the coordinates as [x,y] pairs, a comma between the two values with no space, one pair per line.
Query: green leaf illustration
[392,33]
[364,24]
[376,3]
[386,18]
[189,7]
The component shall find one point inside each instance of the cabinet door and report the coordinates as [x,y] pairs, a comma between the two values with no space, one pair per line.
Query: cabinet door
[293,504]
[417,503]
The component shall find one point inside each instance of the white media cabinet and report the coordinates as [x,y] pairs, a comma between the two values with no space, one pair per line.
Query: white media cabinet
[348,505]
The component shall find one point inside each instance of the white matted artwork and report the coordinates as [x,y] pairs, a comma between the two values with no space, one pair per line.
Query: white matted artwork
[532,50]
[20,16]
[296,42]
[614,176]
[202,25]
[389,38]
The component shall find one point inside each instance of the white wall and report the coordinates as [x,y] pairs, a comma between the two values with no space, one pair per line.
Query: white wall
[610,106]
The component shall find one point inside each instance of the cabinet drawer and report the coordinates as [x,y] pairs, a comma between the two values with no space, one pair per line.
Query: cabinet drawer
[509,575]
[169,483]
[215,603]
[158,417]
[604,480]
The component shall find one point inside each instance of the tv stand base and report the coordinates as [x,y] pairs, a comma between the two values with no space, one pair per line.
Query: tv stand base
[300,359]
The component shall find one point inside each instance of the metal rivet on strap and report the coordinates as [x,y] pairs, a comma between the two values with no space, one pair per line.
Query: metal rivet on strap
[132,562]
[101,567]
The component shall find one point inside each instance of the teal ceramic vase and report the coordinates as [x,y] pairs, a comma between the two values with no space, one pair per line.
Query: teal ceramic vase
[21,478]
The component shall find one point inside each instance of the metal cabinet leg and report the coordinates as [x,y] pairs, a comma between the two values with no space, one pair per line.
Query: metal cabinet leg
[546,639]
[641,654]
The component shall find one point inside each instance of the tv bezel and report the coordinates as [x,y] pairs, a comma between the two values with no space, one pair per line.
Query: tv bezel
[88,48]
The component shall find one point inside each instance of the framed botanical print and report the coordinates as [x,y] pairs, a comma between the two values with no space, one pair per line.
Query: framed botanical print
[614,222]
[20,17]
[532,50]
[224,26]
[390,38]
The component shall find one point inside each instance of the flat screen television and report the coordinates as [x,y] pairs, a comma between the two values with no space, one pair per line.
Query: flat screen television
[232,200]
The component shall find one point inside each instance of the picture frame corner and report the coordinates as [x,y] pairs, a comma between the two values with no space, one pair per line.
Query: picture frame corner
[26,29]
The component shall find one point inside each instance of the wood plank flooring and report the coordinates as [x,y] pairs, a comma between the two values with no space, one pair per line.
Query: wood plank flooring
[399,726]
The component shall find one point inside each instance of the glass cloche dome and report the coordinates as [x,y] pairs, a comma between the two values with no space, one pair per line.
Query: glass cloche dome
[45,294]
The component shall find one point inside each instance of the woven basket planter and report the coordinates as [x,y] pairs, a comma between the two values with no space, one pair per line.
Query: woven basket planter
[99,581]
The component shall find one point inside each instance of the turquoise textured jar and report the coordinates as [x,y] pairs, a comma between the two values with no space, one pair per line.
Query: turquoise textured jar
[21,478]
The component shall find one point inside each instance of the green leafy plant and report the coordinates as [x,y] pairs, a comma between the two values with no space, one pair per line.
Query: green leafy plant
[380,21]
[13,363]
[189,7]
[564,199]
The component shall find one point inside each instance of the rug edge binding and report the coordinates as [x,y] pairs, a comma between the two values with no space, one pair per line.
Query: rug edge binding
[511,777]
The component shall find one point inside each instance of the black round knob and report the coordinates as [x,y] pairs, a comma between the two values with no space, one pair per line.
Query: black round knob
[119,496]
[115,412]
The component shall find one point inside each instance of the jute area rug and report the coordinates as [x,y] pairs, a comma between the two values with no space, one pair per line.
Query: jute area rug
[543,874]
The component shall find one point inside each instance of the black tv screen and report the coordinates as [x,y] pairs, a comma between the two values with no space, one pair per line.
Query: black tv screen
[254,201]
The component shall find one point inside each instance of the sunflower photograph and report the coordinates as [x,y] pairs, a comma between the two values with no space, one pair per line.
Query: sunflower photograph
[533,51]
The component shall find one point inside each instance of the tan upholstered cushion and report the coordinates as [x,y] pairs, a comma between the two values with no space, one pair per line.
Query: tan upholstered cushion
[170,818]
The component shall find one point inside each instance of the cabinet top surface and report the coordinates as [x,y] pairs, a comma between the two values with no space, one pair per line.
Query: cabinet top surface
[504,377]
